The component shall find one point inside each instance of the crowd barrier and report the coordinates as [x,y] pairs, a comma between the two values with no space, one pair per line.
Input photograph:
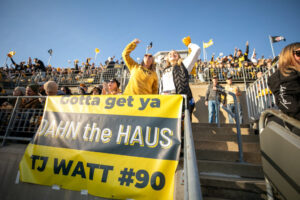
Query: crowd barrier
[259,96]
[18,122]
[98,76]
[241,74]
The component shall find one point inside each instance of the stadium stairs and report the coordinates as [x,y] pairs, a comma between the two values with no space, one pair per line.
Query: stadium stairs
[222,176]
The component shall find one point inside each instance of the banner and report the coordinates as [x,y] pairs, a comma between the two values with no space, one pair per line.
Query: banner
[208,44]
[114,147]
[277,38]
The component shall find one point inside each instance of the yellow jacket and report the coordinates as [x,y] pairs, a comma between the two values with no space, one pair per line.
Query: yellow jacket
[142,80]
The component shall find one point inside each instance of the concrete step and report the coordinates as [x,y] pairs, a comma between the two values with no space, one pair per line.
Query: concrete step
[198,136]
[232,188]
[221,125]
[235,169]
[220,130]
[226,146]
[230,156]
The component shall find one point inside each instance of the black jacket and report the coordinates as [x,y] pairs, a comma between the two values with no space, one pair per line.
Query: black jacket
[286,90]
[40,65]
[18,67]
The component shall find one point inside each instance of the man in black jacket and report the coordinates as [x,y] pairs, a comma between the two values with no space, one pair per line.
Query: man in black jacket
[39,65]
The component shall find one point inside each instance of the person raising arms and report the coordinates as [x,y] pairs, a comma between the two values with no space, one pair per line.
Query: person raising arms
[143,78]
[175,76]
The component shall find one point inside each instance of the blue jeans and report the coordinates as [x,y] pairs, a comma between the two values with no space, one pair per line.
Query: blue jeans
[231,108]
[213,108]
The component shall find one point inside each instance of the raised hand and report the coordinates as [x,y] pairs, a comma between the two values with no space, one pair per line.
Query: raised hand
[136,41]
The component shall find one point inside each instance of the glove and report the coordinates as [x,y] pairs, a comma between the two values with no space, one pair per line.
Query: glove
[9,55]
[186,41]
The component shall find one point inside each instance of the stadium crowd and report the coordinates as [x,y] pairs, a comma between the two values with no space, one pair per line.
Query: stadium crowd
[233,65]
[220,68]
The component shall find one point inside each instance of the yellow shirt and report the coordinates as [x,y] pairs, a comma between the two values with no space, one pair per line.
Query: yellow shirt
[234,90]
[142,80]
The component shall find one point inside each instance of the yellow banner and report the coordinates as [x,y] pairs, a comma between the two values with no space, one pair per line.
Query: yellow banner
[116,147]
[139,105]
[100,174]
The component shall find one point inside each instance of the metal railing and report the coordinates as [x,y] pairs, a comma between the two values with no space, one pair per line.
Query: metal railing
[259,96]
[239,74]
[290,120]
[97,76]
[73,78]
[236,116]
[192,187]
[21,119]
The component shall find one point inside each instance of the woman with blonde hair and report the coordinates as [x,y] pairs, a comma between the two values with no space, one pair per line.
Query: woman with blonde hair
[143,78]
[175,76]
[285,82]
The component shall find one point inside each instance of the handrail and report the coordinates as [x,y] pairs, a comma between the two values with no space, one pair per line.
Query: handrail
[192,187]
[237,123]
[278,114]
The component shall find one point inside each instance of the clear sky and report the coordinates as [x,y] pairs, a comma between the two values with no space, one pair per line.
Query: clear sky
[73,29]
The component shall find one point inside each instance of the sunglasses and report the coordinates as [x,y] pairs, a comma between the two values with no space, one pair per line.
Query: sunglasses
[297,53]
[147,55]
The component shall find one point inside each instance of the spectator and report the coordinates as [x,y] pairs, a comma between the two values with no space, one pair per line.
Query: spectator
[19,67]
[96,91]
[18,91]
[66,90]
[42,89]
[40,65]
[143,79]
[175,76]
[239,56]
[110,62]
[76,68]
[253,57]
[213,99]
[32,90]
[81,91]
[84,88]
[230,101]
[112,88]
[285,82]
[51,88]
